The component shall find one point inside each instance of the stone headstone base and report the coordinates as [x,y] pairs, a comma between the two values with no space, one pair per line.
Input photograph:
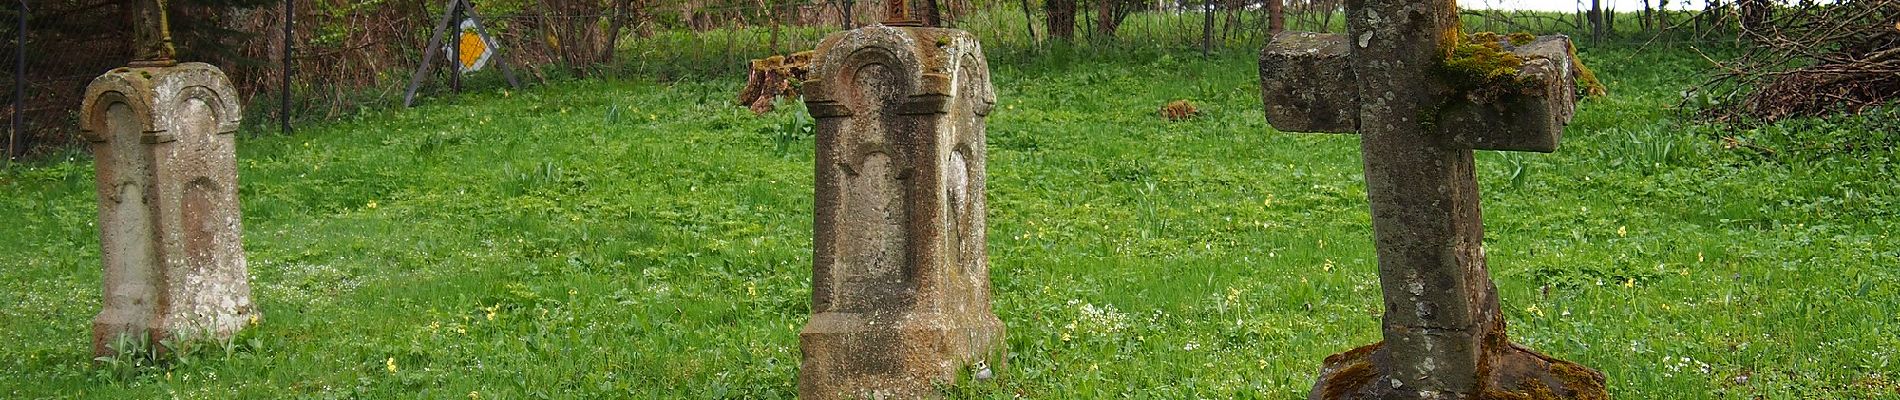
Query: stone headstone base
[1516,373]
[924,353]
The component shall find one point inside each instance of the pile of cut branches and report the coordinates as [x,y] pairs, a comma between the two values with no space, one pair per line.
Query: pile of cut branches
[1808,59]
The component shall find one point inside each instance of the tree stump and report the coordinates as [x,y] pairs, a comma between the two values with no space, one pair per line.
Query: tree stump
[773,77]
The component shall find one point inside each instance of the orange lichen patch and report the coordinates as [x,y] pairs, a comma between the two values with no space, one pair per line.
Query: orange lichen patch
[1450,39]
[1536,392]
[1579,382]
[1179,110]
[1587,83]
[1521,38]
[1584,383]
[1349,373]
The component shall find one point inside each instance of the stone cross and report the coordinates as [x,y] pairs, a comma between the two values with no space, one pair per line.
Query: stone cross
[163,141]
[1390,80]
[151,35]
[897,13]
[900,266]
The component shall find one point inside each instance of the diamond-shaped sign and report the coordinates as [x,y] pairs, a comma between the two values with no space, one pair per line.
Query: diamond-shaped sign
[475,48]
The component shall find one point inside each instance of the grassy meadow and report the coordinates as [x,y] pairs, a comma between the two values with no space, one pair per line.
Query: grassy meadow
[641,239]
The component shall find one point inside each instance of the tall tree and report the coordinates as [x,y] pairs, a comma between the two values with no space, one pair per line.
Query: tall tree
[1110,13]
[1596,19]
[1061,15]
[931,15]
[1276,16]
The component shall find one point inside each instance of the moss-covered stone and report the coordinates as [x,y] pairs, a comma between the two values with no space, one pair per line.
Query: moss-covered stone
[1521,38]
[1481,65]
[1587,83]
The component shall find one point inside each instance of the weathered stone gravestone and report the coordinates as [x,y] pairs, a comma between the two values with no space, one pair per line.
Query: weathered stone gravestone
[162,139]
[900,297]
[1410,84]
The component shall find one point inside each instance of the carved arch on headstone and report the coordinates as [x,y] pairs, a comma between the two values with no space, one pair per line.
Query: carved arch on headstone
[222,113]
[871,108]
[202,82]
[132,86]
[93,123]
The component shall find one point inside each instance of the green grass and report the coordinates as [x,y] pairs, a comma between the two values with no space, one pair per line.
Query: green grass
[652,240]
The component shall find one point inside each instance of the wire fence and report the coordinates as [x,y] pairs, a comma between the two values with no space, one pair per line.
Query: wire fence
[360,59]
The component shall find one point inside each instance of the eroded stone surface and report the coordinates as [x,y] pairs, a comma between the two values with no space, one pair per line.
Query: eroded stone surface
[1308,85]
[900,297]
[1444,335]
[168,208]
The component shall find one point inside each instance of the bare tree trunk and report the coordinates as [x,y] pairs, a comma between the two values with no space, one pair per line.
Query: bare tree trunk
[932,16]
[1276,16]
[1644,18]
[1755,13]
[1207,26]
[1596,20]
[615,23]
[773,16]
[1029,22]
[1061,19]
[1233,17]
[1106,22]
[643,18]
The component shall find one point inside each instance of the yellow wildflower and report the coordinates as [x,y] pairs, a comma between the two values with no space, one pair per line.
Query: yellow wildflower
[391,363]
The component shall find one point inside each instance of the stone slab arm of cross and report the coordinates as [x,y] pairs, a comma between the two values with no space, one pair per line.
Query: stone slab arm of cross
[1308,85]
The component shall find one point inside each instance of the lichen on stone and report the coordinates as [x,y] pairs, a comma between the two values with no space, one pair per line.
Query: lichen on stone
[1521,38]
[1587,83]
[1480,62]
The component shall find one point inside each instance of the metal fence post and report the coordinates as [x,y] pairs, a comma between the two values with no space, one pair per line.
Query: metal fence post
[290,13]
[19,86]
